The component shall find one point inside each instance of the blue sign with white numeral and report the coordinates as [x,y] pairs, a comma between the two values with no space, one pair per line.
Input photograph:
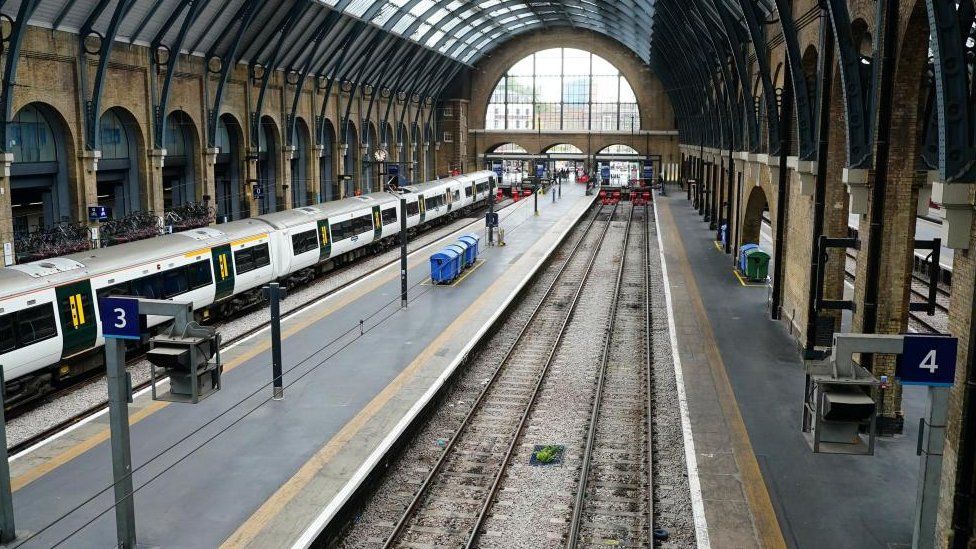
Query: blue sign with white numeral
[928,360]
[498,168]
[605,173]
[540,169]
[392,169]
[120,317]
[648,171]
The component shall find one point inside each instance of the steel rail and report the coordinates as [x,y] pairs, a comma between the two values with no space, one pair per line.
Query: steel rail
[472,538]
[575,522]
[415,502]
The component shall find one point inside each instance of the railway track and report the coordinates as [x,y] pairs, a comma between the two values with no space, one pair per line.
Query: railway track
[453,500]
[96,375]
[919,290]
[614,503]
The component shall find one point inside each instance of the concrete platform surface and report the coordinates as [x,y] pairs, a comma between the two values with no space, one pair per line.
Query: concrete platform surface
[761,483]
[242,470]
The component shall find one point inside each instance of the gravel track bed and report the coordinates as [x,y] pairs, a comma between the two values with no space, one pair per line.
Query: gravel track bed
[93,394]
[672,496]
[396,490]
[615,508]
[534,502]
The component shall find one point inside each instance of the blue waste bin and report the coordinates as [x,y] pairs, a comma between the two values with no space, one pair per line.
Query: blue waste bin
[445,266]
[460,251]
[472,240]
[464,253]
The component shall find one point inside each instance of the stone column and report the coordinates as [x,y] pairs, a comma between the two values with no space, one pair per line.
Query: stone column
[251,179]
[208,193]
[316,155]
[7,223]
[89,184]
[157,159]
[287,155]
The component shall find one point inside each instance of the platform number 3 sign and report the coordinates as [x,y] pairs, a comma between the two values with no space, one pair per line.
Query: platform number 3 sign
[120,317]
[928,360]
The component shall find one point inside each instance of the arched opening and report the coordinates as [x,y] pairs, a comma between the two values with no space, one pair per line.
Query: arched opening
[40,196]
[118,178]
[328,186]
[429,171]
[756,207]
[563,89]
[621,162]
[351,158]
[179,176]
[567,160]
[369,166]
[227,170]
[268,147]
[415,171]
[514,159]
[299,165]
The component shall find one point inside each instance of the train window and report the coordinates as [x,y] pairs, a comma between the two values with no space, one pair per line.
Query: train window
[262,258]
[482,187]
[244,260]
[457,196]
[434,202]
[198,274]
[35,324]
[149,287]
[389,216]
[351,227]
[413,208]
[304,242]
[8,335]
[174,282]
[467,192]
[121,288]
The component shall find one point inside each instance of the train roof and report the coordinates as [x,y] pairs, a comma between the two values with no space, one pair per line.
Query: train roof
[61,270]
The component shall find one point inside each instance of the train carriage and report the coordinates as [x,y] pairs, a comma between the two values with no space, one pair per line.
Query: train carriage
[48,309]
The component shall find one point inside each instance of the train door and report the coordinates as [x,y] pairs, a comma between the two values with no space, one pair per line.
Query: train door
[325,241]
[223,269]
[423,207]
[377,224]
[449,199]
[78,323]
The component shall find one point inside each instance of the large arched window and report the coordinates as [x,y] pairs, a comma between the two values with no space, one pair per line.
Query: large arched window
[563,89]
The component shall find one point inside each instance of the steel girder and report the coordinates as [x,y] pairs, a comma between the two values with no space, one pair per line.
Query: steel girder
[192,9]
[762,59]
[295,12]
[804,107]
[16,41]
[858,114]
[242,21]
[93,103]
[956,152]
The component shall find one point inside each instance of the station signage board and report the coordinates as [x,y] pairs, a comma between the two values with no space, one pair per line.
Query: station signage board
[98,213]
[928,359]
[120,317]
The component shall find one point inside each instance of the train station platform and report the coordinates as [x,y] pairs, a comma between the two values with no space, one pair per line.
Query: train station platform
[760,483]
[241,470]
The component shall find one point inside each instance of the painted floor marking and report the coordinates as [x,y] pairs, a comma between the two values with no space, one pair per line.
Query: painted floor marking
[691,457]
[100,436]
[760,505]
[746,282]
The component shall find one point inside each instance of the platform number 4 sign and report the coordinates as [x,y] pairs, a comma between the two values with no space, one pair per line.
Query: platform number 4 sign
[928,360]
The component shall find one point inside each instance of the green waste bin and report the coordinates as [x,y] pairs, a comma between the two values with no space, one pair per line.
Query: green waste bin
[757,264]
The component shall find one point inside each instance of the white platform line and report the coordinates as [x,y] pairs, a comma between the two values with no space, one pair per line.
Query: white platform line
[691,459]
